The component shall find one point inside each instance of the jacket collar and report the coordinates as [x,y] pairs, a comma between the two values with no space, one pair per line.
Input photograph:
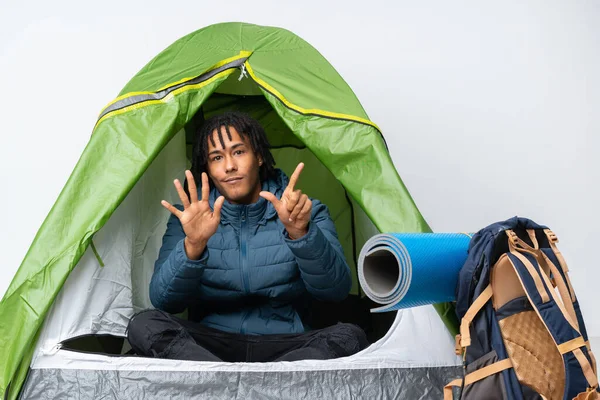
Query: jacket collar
[256,213]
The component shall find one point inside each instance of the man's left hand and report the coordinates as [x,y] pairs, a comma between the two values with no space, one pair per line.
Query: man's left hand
[294,208]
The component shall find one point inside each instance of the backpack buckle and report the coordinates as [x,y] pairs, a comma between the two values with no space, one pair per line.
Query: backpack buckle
[551,236]
[458,349]
[512,237]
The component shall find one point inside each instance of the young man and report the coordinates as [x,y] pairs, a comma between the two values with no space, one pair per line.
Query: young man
[244,256]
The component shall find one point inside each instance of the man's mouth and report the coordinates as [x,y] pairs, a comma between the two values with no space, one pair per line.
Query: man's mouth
[233,179]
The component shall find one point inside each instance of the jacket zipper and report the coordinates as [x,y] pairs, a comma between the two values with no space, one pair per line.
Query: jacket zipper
[243,263]
[244,252]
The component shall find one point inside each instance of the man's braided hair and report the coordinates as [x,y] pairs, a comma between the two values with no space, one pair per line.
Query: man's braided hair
[247,127]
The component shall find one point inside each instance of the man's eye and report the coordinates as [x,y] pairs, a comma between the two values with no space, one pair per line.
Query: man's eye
[216,158]
[238,152]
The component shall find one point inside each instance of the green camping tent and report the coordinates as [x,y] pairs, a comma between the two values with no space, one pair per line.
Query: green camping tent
[308,111]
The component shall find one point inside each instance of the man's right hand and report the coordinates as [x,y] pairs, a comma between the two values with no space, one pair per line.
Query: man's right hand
[199,222]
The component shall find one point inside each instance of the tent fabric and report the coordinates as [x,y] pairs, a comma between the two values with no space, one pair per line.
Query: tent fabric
[305,92]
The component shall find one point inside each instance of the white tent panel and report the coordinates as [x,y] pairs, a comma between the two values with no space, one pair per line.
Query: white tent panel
[417,338]
[101,300]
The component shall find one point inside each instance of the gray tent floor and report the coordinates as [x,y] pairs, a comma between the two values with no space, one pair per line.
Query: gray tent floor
[381,383]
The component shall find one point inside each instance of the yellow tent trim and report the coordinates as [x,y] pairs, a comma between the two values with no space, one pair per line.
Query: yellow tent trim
[301,110]
[166,99]
[242,54]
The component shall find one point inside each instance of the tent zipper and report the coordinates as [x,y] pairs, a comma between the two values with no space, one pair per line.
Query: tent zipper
[243,72]
[319,113]
[135,99]
[53,350]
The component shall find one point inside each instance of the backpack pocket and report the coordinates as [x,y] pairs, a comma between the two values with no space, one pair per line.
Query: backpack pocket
[537,363]
[490,387]
[536,360]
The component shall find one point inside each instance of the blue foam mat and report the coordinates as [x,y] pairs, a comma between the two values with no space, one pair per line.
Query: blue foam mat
[426,273]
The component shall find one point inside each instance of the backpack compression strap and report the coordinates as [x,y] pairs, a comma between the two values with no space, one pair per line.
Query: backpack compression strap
[478,375]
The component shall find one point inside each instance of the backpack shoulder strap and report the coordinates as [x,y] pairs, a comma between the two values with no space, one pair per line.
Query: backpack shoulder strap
[549,305]
[561,276]
[465,323]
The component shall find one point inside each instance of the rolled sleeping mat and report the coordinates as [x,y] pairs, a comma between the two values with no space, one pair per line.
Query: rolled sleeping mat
[402,270]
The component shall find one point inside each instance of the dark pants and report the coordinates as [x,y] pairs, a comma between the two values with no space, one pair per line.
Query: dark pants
[155,333]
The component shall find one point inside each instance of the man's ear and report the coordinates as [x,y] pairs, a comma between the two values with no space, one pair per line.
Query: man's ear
[260,160]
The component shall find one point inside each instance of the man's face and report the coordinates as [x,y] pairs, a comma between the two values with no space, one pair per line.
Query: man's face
[234,169]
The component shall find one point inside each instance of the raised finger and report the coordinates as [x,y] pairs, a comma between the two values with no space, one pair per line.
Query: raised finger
[292,199]
[205,187]
[306,210]
[295,176]
[218,206]
[192,186]
[182,196]
[171,208]
[298,208]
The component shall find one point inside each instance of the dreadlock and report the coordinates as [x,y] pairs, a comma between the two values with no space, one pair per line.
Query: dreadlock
[246,127]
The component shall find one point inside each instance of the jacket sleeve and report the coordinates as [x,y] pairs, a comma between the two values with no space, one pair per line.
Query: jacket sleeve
[175,280]
[320,257]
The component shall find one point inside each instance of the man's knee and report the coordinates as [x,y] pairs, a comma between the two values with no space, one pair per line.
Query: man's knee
[144,325]
[347,339]
[140,321]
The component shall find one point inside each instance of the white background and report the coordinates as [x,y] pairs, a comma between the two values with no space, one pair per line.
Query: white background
[490,109]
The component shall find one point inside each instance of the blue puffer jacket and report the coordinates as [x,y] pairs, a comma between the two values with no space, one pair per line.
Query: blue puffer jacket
[251,278]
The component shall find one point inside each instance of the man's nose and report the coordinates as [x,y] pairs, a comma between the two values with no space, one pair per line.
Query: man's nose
[230,164]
